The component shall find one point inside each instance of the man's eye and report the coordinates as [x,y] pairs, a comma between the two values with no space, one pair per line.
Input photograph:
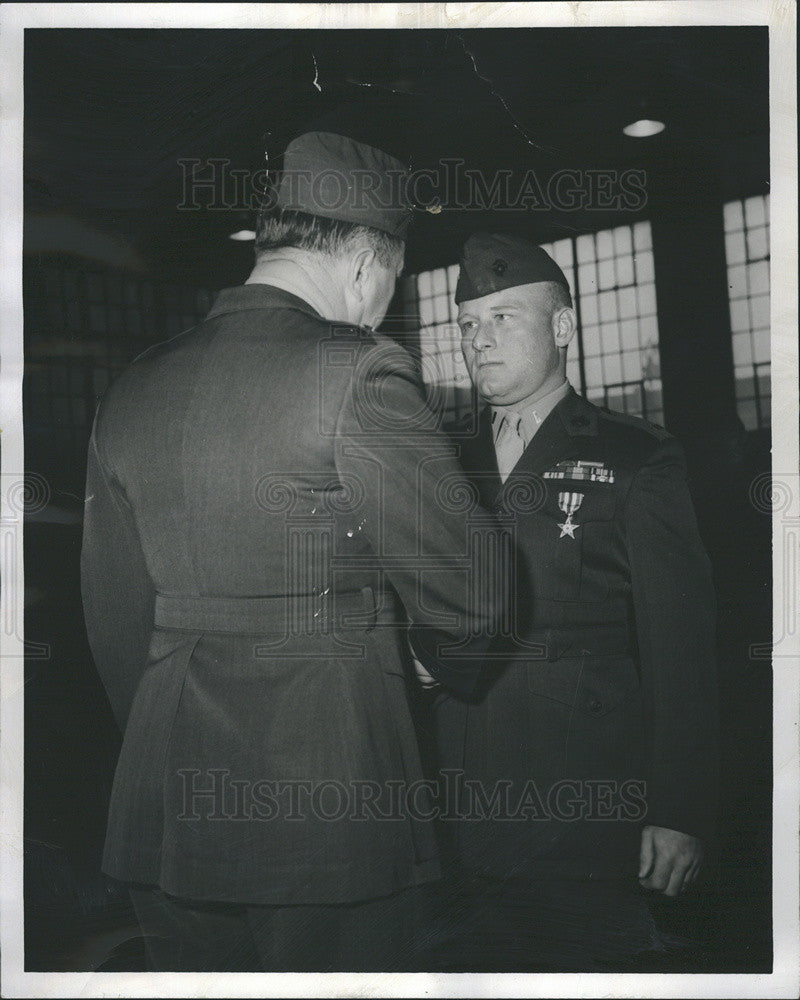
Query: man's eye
[467,326]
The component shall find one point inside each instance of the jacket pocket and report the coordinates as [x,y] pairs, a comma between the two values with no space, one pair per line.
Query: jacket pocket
[594,685]
[569,545]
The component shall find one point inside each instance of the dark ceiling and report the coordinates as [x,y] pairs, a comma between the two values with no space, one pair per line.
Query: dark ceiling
[109,115]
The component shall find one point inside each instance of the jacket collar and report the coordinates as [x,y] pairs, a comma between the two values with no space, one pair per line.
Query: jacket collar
[258,296]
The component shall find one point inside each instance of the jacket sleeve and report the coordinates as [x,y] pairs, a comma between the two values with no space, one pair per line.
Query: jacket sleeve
[118,594]
[442,552]
[675,610]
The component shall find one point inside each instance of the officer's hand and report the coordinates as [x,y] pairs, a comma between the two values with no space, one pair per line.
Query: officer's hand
[423,676]
[669,861]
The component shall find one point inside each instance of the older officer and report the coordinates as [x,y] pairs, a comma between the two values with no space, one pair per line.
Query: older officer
[591,758]
[253,551]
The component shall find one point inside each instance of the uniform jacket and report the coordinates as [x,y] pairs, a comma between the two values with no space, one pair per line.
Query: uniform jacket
[260,521]
[605,696]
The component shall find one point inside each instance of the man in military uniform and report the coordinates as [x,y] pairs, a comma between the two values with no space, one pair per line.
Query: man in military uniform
[585,772]
[261,527]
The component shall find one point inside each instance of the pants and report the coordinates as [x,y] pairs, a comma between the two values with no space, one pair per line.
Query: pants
[384,934]
[549,925]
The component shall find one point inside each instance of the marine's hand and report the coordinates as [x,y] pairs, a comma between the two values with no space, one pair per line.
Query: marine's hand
[669,861]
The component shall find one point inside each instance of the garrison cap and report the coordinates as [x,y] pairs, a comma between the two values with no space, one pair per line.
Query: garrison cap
[339,178]
[491,262]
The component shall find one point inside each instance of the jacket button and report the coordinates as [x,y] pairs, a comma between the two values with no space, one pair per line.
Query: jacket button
[594,705]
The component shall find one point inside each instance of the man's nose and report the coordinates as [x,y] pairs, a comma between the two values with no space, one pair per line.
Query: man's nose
[482,338]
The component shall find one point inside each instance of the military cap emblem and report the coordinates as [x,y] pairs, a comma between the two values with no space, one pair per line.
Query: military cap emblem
[499,267]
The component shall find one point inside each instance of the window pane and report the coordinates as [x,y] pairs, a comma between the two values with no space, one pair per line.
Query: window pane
[733,216]
[629,334]
[648,330]
[647,300]
[757,245]
[742,349]
[737,280]
[627,302]
[740,315]
[426,313]
[758,278]
[734,248]
[605,244]
[642,238]
[613,368]
[609,335]
[623,243]
[439,281]
[591,340]
[745,384]
[645,269]
[608,306]
[754,214]
[625,270]
[441,308]
[631,368]
[761,345]
[584,248]
[589,313]
[606,277]
[759,311]
[594,372]
[587,278]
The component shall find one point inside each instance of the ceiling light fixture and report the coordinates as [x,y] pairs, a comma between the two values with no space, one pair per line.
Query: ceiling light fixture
[644,127]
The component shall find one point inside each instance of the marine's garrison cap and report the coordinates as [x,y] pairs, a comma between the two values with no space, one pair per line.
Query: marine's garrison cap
[491,262]
[339,178]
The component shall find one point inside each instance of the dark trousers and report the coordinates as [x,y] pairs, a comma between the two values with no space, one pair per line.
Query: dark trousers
[385,934]
[547,925]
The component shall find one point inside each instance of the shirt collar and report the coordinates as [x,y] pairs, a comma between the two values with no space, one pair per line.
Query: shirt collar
[534,414]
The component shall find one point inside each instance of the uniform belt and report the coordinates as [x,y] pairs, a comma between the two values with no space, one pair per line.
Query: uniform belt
[295,613]
[594,640]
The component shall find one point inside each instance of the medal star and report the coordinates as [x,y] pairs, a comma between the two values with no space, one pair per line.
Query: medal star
[568,528]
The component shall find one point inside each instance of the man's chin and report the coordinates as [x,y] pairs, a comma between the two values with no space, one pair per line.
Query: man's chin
[489,389]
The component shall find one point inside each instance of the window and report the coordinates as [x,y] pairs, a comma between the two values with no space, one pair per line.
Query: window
[82,327]
[614,360]
[618,322]
[430,297]
[747,255]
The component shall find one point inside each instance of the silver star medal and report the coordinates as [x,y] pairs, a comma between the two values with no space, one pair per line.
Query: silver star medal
[569,504]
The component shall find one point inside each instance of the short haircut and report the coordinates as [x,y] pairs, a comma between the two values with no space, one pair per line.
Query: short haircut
[279,228]
[560,297]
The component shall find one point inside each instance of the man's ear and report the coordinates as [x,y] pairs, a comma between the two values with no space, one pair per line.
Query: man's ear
[359,271]
[565,324]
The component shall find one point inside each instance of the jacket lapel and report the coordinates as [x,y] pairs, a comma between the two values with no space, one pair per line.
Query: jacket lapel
[564,429]
[571,420]
[479,460]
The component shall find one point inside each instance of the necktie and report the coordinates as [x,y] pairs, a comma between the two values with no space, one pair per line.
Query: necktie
[508,443]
